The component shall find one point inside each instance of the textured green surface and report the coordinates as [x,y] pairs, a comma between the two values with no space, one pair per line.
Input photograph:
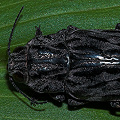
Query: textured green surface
[52,15]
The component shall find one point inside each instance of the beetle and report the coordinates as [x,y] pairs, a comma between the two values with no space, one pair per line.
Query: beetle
[74,64]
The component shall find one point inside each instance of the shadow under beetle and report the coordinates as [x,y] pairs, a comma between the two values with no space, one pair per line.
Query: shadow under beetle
[83,64]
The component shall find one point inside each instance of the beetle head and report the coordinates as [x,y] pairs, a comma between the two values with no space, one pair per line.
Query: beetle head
[17,64]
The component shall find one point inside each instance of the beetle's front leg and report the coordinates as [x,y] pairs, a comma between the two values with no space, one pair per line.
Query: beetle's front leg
[117,27]
[38,32]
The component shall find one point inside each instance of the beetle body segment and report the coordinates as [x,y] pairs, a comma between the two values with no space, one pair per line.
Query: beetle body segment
[95,67]
[47,65]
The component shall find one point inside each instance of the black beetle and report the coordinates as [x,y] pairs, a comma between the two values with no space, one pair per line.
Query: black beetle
[83,64]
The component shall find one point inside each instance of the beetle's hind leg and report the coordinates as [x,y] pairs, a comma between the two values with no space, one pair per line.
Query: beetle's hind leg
[38,31]
[117,27]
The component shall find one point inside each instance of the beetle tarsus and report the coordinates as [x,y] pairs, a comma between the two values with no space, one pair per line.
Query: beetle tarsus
[115,104]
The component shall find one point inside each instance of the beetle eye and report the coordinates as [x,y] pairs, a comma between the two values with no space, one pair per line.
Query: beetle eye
[18,49]
[18,77]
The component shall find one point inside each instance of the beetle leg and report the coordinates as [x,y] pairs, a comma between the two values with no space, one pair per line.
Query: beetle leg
[117,26]
[73,102]
[33,101]
[115,104]
[58,97]
[38,31]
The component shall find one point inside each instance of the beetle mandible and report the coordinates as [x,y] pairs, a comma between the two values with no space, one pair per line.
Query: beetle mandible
[83,64]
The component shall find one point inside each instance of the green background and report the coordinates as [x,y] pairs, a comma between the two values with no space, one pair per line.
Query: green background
[52,15]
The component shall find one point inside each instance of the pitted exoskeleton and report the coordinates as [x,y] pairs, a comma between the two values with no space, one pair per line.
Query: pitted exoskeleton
[78,65]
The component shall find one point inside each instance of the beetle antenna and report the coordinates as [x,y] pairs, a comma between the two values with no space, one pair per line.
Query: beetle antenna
[33,101]
[13,30]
